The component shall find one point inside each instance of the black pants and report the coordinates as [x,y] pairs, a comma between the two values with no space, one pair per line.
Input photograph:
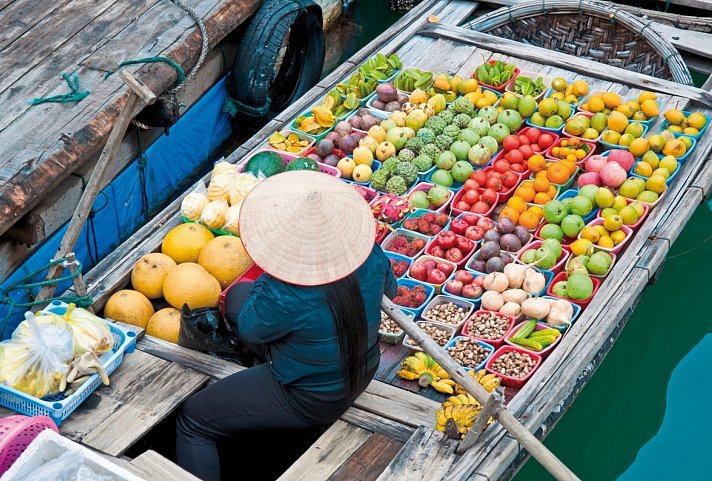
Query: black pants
[250,400]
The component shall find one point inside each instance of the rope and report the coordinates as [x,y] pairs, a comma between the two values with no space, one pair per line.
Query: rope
[203,46]
[142,163]
[24,284]
[75,96]
[169,61]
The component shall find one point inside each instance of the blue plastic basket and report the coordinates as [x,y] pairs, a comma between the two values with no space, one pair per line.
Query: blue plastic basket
[551,90]
[59,407]
[577,312]
[607,146]
[429,293]
[541,127]
[321,136]
[374,167]
[571,193]
[689,151]
[668,181]
[687,113]
[398,257]
[475,302]
[421,212]
[479,343]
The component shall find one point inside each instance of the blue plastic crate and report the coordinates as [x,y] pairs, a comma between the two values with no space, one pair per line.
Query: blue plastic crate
[374,167]
[607,146]
[689,151]
[668,181]
[479,343]
[59,407]
[687,113]
[429,292]
[577,312]
[399,257]
[571,193]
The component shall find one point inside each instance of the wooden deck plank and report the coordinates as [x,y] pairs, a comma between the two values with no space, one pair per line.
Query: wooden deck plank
[327,454]
[20,16]
[163,394]
[426,456]
[397,404]
[157,467]
[369,460]
[378,424]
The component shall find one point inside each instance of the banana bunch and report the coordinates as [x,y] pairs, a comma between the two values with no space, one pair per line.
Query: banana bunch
[456,419]
[427,372]
[488,381]
[461,399]
[413,78]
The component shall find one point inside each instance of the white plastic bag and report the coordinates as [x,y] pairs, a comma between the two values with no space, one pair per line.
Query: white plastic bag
[192,205]
[90,333]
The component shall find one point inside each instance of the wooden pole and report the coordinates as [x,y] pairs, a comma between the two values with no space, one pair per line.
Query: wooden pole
[139,97]
[528,441]
[80,286]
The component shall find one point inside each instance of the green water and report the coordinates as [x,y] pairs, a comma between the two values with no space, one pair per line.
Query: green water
[643,414]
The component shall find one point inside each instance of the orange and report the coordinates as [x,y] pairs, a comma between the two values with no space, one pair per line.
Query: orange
[536,210]
[529,220]
[536,163]
[558,173]
[510,213]
[551,192]
[517,203]
[580,154]
[555,151]
[526,192]
[542,198]
[541,174]
[541,184]
[571,157]
[570,165]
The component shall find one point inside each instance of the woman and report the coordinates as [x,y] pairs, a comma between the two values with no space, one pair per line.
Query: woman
[314,316]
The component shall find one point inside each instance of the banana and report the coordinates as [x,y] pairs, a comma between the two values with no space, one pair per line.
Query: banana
[442,387]
[408,375]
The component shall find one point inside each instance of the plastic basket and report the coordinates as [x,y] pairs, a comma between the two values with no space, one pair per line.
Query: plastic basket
[378,113]
[556,194]
[374,167]
[668,181]
[408,235]
[577,312]
[418,213]
[687,113]
[532,75]
[300,135]
[607,146]
[556,131]
[16,433]
[570,194]
[425,187]
[499,88]
[634,227]
[468,307]
[466,255]
[613,263]
[560,262]
[539,327]
[494,342]
[550,91]
[580,163]
[391,338]
[293,126]
[250,275]
[613,250]
[371,194]
[582,139]
[509,380]
[490,350]
[688,152]
[429,293]
[398,257]
[58,407]
[561,276]
[476,255]
[450,329]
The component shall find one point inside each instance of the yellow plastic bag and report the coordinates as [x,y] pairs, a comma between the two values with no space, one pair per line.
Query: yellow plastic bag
[90,333]
[34,359]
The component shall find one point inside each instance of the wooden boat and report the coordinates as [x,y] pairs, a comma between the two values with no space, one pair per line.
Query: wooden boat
[388,433]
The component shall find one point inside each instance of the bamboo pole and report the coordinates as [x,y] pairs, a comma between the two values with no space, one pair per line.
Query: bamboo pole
[528,441]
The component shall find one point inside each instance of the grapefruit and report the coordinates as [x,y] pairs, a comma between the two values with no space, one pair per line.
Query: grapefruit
[184,242]
[225,259]
[165,324]
[149,272]
[191,284]
[130,307]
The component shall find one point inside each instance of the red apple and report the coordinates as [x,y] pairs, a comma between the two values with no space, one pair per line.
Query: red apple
[523,140]
[464,276]
[478,281]
[470,184]
[454,287]
[501,166]
[518,168]
[469,292]
[494,183]
[430,264]
[526,151]
[536,148]
[418,271]
[510,179]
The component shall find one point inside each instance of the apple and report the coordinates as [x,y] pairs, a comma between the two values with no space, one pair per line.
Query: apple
[454,287]
[418,271]
[464,276]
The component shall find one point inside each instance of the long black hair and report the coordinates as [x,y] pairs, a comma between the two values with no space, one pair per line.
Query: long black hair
[347,309]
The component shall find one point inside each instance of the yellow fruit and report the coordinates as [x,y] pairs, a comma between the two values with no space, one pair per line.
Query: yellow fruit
[191,284]
[660,171]
[548,107]
[165,324]
[690,131]
[606,242]
[363,155]
[644,169]
[611,100]
[669,162]
[347,165]
[558,84]
[639,147]
[612,222]
[675,128]
[687,141]
[650,108]
[602,232]
[634,105]
[617,121]
[378,133]
[674,117]
[657,142]
[580,88]
[635,129]
[639,115]
[362,173]
[582,247]
[225,259]
[590,233]
[571,99]
[626,110]
[418,96]
[652,159]
[130,307]
[184,242]
[617,237]
[595,104]
[611,137]
[590,133]
[647,96]
[696,121]
[149,272]
[626,140]
[675,148]
[656,183]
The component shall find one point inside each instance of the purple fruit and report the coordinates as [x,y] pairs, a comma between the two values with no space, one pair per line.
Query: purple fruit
[331,160]
[478,265]
[510,242]
[314,157]
[356,122]
[379,104]
[343,128]
[491,235]
[368,121]
[489,250]
[334,137]
[324,148]
[348,144]
[506,258]
[403,98]
[494,264]
[505,225]
[386,93]
[522,234]
[363,111]
[392,106]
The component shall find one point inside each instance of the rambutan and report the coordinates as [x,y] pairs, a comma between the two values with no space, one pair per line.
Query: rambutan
[441,219]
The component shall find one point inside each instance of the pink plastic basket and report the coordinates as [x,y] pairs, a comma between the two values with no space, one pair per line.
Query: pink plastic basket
[16,433]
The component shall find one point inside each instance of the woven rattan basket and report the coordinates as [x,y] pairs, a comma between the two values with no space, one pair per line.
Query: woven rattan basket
[591,30]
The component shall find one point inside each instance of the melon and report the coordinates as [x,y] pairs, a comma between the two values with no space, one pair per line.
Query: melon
[165,324]
[189,283]
[302,163]
[225,259]
[149,272]
[130,307]
[264,163]
[184,242]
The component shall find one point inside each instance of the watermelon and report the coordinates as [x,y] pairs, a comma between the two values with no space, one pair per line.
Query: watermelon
[265,163]
[302,163]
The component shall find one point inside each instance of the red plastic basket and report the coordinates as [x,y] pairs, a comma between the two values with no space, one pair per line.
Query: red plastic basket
[458,197]
[499,88]
[465,258]
[493,342]
[539,327]
[561,276]
[509,380]
[16,433]
[560,262]
[250,275]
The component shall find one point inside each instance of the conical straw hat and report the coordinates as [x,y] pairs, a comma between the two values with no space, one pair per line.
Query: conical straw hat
[306,228]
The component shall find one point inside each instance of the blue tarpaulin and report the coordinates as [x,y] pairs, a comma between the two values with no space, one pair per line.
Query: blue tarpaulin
[120,209]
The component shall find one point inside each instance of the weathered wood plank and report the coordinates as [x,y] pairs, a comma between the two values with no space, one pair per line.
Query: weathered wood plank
[426,456]
[151,405]
[378,424]
[369,460]
[157,467]
[327,454]
[20,16]
[397,404]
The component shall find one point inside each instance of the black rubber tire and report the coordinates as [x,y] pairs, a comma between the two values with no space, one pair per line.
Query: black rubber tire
[255,77]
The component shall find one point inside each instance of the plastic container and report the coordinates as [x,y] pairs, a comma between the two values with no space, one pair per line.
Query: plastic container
[250,275]
[557,130]
[429,293]
[499,88]
[532,75]
[455,187]
[425,187]
[540,326]
[668,181]
[457,212]
[414,348]
[58,407]
[475,302]
[293,126]
[550,91]
[560,262]
[570,194]
[687,113]
[386,244]
[475,256]
[614,250]
[687,153]
[509,380]
[391,338]
[634,227]
[613,263]
[466,255]
[493,342]
[438,287]
[583,139]
[300,135]
[607,146]
[16,433]
[483,344]
[563,328]
[374,167]
[548,155]
[561,276]
[398,257]
[467,306]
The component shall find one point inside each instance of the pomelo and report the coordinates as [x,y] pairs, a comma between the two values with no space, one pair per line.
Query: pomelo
[149,272]
[191,284]
[225,259]
[184,242]
[165,324]
[129,306]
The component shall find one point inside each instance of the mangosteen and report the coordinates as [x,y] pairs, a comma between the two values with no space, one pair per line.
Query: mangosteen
[331,160]
[522,234]
[505,225]
[478,265]
[489,250]
[491,235]
[324,148]
[510,242]
[386,92]
[379,104]
[343,128]
[495,264]
[348,144]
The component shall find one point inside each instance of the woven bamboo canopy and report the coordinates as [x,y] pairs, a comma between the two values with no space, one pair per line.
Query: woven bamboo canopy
[594,30]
